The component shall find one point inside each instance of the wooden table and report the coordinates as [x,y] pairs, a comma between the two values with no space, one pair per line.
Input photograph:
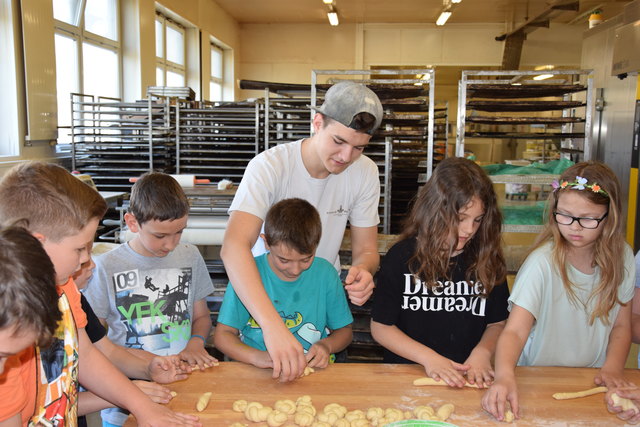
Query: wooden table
[365,385]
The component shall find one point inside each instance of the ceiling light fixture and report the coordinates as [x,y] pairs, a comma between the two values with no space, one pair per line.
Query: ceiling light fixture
[332,14]
[542,76]
[444,16]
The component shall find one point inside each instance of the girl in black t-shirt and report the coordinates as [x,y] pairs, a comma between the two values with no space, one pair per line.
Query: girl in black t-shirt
[441,296]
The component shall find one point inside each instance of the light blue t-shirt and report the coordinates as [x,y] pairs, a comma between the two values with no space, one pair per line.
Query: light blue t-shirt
[310,306]
[561,334]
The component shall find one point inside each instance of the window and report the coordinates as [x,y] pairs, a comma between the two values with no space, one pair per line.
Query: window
[217,73]
[9,111]
[170,52]
[88,54]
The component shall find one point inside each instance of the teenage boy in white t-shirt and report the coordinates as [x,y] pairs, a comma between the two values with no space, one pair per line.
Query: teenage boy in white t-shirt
[329,171]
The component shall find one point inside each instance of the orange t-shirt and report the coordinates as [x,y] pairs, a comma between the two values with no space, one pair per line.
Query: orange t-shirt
[18,382]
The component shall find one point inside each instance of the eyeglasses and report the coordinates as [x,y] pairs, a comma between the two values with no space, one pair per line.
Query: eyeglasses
[584,222]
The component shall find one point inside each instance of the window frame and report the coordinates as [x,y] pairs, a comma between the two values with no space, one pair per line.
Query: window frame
[164,64]
[214,79]
[81,36]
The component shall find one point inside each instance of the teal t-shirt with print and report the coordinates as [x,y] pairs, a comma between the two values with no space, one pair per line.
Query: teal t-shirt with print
[310,306]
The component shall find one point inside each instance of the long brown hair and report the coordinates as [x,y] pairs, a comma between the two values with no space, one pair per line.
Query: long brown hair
[608,249]
[434,219]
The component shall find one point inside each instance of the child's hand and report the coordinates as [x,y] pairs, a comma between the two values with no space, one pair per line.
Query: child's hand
[359,285]
[161,416]
[156,392]
[195,354]
[168,369]
[441,368]
[480,371]
[632,393]
[318,355]
[261,359]
[611,379]
[495,399]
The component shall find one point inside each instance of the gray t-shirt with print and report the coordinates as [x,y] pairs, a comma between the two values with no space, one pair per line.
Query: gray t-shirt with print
[148,301]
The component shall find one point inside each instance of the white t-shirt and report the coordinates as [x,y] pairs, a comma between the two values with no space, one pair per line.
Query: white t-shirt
[279,173]
[561,334]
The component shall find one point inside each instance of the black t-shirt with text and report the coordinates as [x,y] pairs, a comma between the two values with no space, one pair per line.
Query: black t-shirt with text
[449,318]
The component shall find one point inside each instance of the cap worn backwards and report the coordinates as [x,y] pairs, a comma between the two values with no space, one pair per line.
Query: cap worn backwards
[344,100]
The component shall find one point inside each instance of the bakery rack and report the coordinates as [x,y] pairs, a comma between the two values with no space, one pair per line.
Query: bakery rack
[510,105]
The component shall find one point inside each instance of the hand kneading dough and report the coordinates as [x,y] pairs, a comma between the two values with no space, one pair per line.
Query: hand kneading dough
[445,411]
[203,401]
[508,416]
[624,403]
[577,394]
[431,381]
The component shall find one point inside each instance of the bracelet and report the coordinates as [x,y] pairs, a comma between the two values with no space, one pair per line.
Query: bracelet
[204,340]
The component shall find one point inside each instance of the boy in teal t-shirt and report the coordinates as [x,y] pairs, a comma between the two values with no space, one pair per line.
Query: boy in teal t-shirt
[305,290]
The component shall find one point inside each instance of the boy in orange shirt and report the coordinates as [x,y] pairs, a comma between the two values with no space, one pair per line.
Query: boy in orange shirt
[63,214]
[28,309]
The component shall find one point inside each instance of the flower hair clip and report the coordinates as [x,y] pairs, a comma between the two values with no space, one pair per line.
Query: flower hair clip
[579,184]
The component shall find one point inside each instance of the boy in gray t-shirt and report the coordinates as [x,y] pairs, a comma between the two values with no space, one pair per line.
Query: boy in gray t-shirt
[151,291]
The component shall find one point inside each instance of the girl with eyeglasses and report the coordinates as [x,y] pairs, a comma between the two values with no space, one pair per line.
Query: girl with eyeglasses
[570,303]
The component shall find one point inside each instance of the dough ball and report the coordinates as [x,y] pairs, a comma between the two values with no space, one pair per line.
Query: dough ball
[239,405]
[251,411]
[445,411]
[355,415]
[303,419]
[287,406]
[276,418]
[203,401]
[306,408]
[337,408]
[393,414]
[328,417]
[375,413]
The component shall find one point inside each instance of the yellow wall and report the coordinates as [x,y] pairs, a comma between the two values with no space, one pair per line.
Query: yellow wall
[288,52]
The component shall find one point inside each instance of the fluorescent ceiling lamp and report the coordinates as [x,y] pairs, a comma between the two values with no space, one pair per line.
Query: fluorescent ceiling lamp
[543,77]
[444,16]
[333,18]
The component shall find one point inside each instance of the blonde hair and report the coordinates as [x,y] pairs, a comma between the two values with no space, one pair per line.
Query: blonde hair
[608,249]
[434,219]
[51,200]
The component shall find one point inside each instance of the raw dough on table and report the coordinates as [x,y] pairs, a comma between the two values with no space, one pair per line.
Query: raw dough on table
[203,401]
[445,411]
[285,405]
[577,394]
[307,371]
[431,381]
[276,418]
[239,405]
